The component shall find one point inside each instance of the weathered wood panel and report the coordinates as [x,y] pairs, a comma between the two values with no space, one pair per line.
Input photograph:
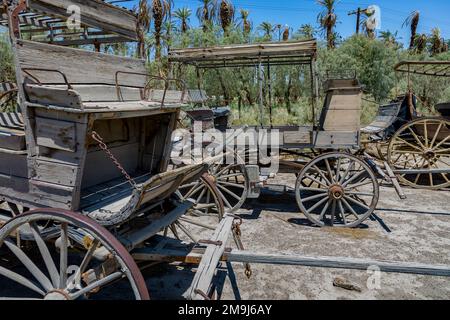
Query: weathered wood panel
[13,164]
[53,172]
[46,95]
[94,13]
[56,134]
[79,66]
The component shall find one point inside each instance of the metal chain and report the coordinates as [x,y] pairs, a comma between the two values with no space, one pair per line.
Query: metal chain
[104,147]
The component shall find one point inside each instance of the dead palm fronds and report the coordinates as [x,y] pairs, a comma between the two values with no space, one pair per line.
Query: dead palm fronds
[413,21]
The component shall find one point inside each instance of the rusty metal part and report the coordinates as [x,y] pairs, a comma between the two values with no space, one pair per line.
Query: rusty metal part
[101,233]
[201,293]
[15,21]
[104,147]
[237,239]
[26,71]
[336,191]
[208,179]
[216,243]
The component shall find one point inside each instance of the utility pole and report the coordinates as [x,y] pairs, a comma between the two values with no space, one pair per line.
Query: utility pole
[358,13]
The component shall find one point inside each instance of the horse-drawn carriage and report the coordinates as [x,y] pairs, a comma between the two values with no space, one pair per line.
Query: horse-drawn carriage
[416,147]
[334,187]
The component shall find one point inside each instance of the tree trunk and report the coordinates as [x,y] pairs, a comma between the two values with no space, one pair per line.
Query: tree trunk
[226,97]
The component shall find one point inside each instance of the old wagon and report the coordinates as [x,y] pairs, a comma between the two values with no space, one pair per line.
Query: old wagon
[333,187]
[416,147]
[83,165]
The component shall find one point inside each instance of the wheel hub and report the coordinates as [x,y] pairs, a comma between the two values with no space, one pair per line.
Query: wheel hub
[429,154]
[57,295]
[336,192]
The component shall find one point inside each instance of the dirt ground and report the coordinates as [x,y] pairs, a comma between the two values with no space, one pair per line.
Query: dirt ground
[412,230]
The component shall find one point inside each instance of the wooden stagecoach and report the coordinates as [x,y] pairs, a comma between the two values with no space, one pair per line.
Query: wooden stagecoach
[83,163]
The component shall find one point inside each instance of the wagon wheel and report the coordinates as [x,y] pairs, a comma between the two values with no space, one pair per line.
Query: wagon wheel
[89,260]
[204,216]
[422,144]
[337,189]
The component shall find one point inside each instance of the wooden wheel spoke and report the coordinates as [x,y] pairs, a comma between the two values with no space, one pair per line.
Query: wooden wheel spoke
[341,209]
[317,196]
[231,175]
[350,208]
[347,171]
[436,134]
[45,253]
[360,193]
[317,204]
[355,186]
[97,284]
[353,178]
[358,203]
[316,181]
[63,256]
[85,262]
[441,143]
[312,189]
[409,144]
[322,175]
[324,210]
[338,168]
[34,270]
[196,188]
[231,184]
[21,280]
[225,200]
[327,163]
[229,192]
[417,138]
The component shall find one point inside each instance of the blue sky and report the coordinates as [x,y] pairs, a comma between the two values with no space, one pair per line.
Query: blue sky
[434,13]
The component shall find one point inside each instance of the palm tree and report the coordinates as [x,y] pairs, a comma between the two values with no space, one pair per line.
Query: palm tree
[246,24]
[327,20]
[307,31]
[144,22]
[225,14]
[183,15]
[267,29]
[389,38]
[413,21]
[286,33]
[436,41]
[206,13]
[420,43]
[162,10]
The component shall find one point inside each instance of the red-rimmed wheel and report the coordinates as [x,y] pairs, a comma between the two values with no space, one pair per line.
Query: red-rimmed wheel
[55,254]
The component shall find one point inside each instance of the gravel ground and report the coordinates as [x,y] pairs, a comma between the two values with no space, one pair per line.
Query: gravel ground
[412,230]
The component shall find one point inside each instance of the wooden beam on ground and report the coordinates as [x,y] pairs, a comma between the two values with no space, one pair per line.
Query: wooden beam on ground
[339,263]
[201,284]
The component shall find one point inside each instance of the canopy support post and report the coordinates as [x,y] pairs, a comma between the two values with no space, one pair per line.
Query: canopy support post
[261,96]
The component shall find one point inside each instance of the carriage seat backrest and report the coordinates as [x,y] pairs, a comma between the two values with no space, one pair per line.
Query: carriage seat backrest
[91,74]
[342,106]
[197,97]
